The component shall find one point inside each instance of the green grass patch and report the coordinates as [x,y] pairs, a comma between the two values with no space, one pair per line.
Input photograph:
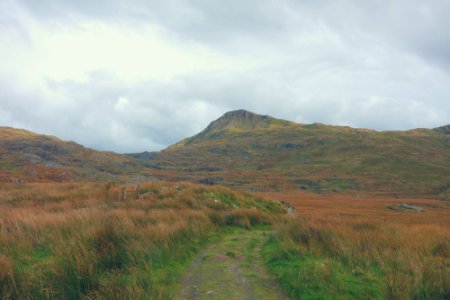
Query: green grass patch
[304,276]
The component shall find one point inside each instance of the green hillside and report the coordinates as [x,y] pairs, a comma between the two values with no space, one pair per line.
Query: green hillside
[27,156]
[258,153]
[254,153]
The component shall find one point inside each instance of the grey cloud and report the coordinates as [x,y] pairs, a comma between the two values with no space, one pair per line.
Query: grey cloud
[379,64]
[201,18]
[158,114]
[419,26]
[237,27]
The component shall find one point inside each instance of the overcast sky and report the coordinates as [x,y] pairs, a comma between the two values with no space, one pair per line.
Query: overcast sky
[130,76]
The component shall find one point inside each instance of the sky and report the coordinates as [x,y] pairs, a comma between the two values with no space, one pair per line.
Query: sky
[140,75]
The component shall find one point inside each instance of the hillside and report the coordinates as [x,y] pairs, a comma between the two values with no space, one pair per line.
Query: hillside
[27,156]
[254,153]
[259,153]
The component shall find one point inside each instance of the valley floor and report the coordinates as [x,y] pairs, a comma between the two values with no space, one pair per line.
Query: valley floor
[187,241]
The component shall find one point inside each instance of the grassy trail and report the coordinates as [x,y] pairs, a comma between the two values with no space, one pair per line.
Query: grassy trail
[231,269]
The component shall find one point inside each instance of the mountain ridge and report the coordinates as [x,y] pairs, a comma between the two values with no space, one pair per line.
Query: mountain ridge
[251,152]
[443,129]
[244,120]
[27,156]
[278,154]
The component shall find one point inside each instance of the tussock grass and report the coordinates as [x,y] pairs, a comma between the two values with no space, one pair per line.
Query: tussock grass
[344,248]
[78,240]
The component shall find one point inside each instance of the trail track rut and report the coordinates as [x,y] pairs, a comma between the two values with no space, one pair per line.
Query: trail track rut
[231,269]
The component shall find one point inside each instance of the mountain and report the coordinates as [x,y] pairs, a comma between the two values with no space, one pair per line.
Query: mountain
[251,152]
[254,152]
[234,121]
[27,156]
[443,129]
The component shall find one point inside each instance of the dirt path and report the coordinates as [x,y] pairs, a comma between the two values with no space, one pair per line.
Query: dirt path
[231,269]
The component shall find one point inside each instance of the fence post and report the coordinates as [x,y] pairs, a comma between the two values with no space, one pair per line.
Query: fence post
[123,194]
[138,190]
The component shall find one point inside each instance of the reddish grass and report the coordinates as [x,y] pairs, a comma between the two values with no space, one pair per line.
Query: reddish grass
[76,240]
[410,251]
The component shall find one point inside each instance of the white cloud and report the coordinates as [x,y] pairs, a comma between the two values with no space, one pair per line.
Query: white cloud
[73,52]
[121,103]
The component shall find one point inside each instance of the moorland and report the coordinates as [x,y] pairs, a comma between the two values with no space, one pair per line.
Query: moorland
[323,212]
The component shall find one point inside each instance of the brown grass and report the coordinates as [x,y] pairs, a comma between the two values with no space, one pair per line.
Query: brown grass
[77,240]
[408,251]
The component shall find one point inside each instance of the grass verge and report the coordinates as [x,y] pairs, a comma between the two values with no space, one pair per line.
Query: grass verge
[318,258]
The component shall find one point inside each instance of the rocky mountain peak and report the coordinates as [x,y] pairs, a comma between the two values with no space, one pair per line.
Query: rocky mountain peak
[239,118]
[242,114]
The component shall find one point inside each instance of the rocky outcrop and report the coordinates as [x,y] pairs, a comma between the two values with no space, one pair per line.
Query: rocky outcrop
[406,207]
[238,116]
